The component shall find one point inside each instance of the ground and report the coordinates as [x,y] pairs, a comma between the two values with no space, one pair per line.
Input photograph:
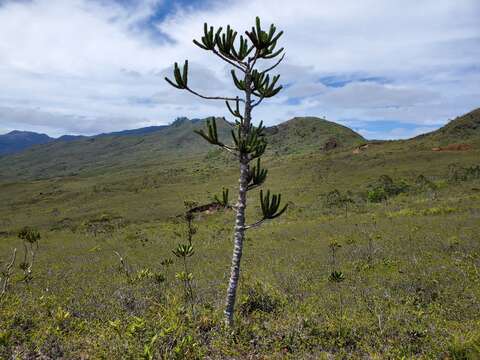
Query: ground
[409,265]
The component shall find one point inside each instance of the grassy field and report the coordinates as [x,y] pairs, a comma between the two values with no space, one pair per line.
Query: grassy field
[410,264]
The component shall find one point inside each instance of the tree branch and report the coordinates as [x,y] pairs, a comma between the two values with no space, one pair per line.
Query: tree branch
[253,60]
[275,65]
[230,61]
[257,224]
[258,101]
[230,150]
[212,97]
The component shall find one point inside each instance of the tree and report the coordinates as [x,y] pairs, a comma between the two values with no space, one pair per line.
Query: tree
[336,199]
[29,236]
[249,141]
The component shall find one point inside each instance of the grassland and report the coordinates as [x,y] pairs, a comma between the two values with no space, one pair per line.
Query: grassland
[411,264]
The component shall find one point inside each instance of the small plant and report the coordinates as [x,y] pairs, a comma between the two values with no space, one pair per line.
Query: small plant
[190,229]
[149,349]
[29,235]
[30,239]
[61,318]
[124,266]
[144,273]
[6,274]
[166,264]
[336,276]
[372,238]
[185,251]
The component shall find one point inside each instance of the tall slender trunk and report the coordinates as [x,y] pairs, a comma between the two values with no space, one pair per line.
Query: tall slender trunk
[240,218]
[238,244]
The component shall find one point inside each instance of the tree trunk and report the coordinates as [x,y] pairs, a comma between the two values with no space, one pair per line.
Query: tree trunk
[240,218]
[238,244]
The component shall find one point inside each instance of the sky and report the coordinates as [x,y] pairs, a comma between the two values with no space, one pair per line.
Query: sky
[389,69]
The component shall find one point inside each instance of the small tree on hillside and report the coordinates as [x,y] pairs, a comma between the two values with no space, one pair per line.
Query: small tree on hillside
[244,55]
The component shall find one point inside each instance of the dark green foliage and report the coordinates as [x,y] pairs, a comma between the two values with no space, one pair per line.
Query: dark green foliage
[263,87]
[270,207]
[183,251]
[258,298]
[166,262]
[257,176]
[254,144]
[265,42]
[336,276]
[181,77]
[29,235]
[423,183]
[208,40]
[385,188]
[212,136]
[224,200]
[460,173]
[235,112]
[239,83]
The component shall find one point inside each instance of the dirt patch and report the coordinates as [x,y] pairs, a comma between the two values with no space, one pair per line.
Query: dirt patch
[361,148]
[331,144]
[207,208]
[453,147]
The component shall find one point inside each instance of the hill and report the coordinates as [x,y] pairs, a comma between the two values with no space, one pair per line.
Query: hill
[464,129]
[301,134]
[16,141]
[170,143]
[139,131]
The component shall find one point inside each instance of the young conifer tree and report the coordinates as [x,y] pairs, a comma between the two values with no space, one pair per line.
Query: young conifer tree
[245,54]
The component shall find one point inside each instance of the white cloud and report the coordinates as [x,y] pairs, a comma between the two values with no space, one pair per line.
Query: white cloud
[62,60]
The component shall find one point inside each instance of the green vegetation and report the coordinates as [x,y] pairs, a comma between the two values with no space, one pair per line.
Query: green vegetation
[407,272]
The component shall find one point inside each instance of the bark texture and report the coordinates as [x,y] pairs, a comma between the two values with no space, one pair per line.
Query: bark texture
[238,244]
[240,217]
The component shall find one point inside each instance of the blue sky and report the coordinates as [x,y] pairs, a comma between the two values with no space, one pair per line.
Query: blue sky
[388,69]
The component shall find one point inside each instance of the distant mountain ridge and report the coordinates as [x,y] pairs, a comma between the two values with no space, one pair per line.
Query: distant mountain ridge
[175,141]
[136,149]
[16,141]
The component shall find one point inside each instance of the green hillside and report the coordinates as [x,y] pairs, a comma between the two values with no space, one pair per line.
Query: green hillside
[463,129]
[302,134]
[174,142]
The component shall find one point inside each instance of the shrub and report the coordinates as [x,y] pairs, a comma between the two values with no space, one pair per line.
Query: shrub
[259,298]
[384,188]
